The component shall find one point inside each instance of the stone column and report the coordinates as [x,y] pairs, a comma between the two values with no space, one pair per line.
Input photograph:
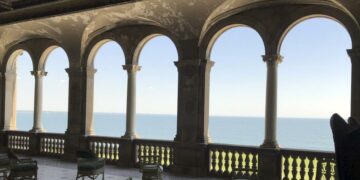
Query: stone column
[355,85]
[190,155]
[272,62]
[75,138]
[131,101]
[38,100]
[90,101]
[10,101]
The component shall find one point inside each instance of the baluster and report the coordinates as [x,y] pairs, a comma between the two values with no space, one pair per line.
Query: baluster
[328,168]
[139,153]
[213,161]
[16,142]
[166,154]
[117,151]
[46,144]
[104,146]
[286,167]
[107,150]
[253,164]
[43,145]
[63,146]
[333,168]
[221,162]
[56,146]
[151,154]
[233,161]
[50,145]
[100,146]
[171,155]
[226,163]
[21,143]
[112,151]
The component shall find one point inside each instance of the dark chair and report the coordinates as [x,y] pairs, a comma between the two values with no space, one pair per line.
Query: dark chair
[22,168]
[151,167]
[89,165]
[347,147]
[4,165]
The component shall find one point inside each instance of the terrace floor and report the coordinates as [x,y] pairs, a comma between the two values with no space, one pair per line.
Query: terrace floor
[53,169]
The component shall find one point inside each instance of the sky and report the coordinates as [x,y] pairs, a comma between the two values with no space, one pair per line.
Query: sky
[314,78]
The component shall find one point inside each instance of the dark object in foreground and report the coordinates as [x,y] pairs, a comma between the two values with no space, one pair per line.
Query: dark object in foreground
[151,167]
[19,168]
[89,165]
[347,147]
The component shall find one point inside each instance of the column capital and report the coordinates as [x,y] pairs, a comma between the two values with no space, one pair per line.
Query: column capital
[277,58]
[132,68]
[74,70]
[194,62]
[39,73]
[354,55]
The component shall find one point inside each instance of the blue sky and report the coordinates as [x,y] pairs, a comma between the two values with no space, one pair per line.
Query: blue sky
[314,78]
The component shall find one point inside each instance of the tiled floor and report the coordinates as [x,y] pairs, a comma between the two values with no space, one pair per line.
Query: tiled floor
[52,169]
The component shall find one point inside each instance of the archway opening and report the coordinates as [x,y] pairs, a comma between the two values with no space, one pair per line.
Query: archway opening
[314,83]
[157,89]
[237,88]
[24,91]
[56,89]
[110,83]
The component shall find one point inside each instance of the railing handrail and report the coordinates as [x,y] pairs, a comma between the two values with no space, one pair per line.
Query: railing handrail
[154,141]
[234,147]
[45,134]
[321,153]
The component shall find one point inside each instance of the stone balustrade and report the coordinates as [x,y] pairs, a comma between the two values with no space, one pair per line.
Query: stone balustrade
[224,161]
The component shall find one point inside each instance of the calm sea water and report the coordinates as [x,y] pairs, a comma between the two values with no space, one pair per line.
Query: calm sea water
[314,134]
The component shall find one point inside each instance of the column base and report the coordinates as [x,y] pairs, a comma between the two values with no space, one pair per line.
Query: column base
[129,136]
[269,164]
[268,144]
[37,130]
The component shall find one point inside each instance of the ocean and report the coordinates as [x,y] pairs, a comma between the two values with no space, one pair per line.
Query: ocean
[299,133]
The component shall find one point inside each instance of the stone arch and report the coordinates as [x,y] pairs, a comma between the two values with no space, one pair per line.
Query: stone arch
[88,64]
[146,39]
[44,56]
[318,11]
[93,49]
[207,44]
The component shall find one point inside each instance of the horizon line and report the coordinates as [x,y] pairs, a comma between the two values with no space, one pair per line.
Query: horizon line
[167,114]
